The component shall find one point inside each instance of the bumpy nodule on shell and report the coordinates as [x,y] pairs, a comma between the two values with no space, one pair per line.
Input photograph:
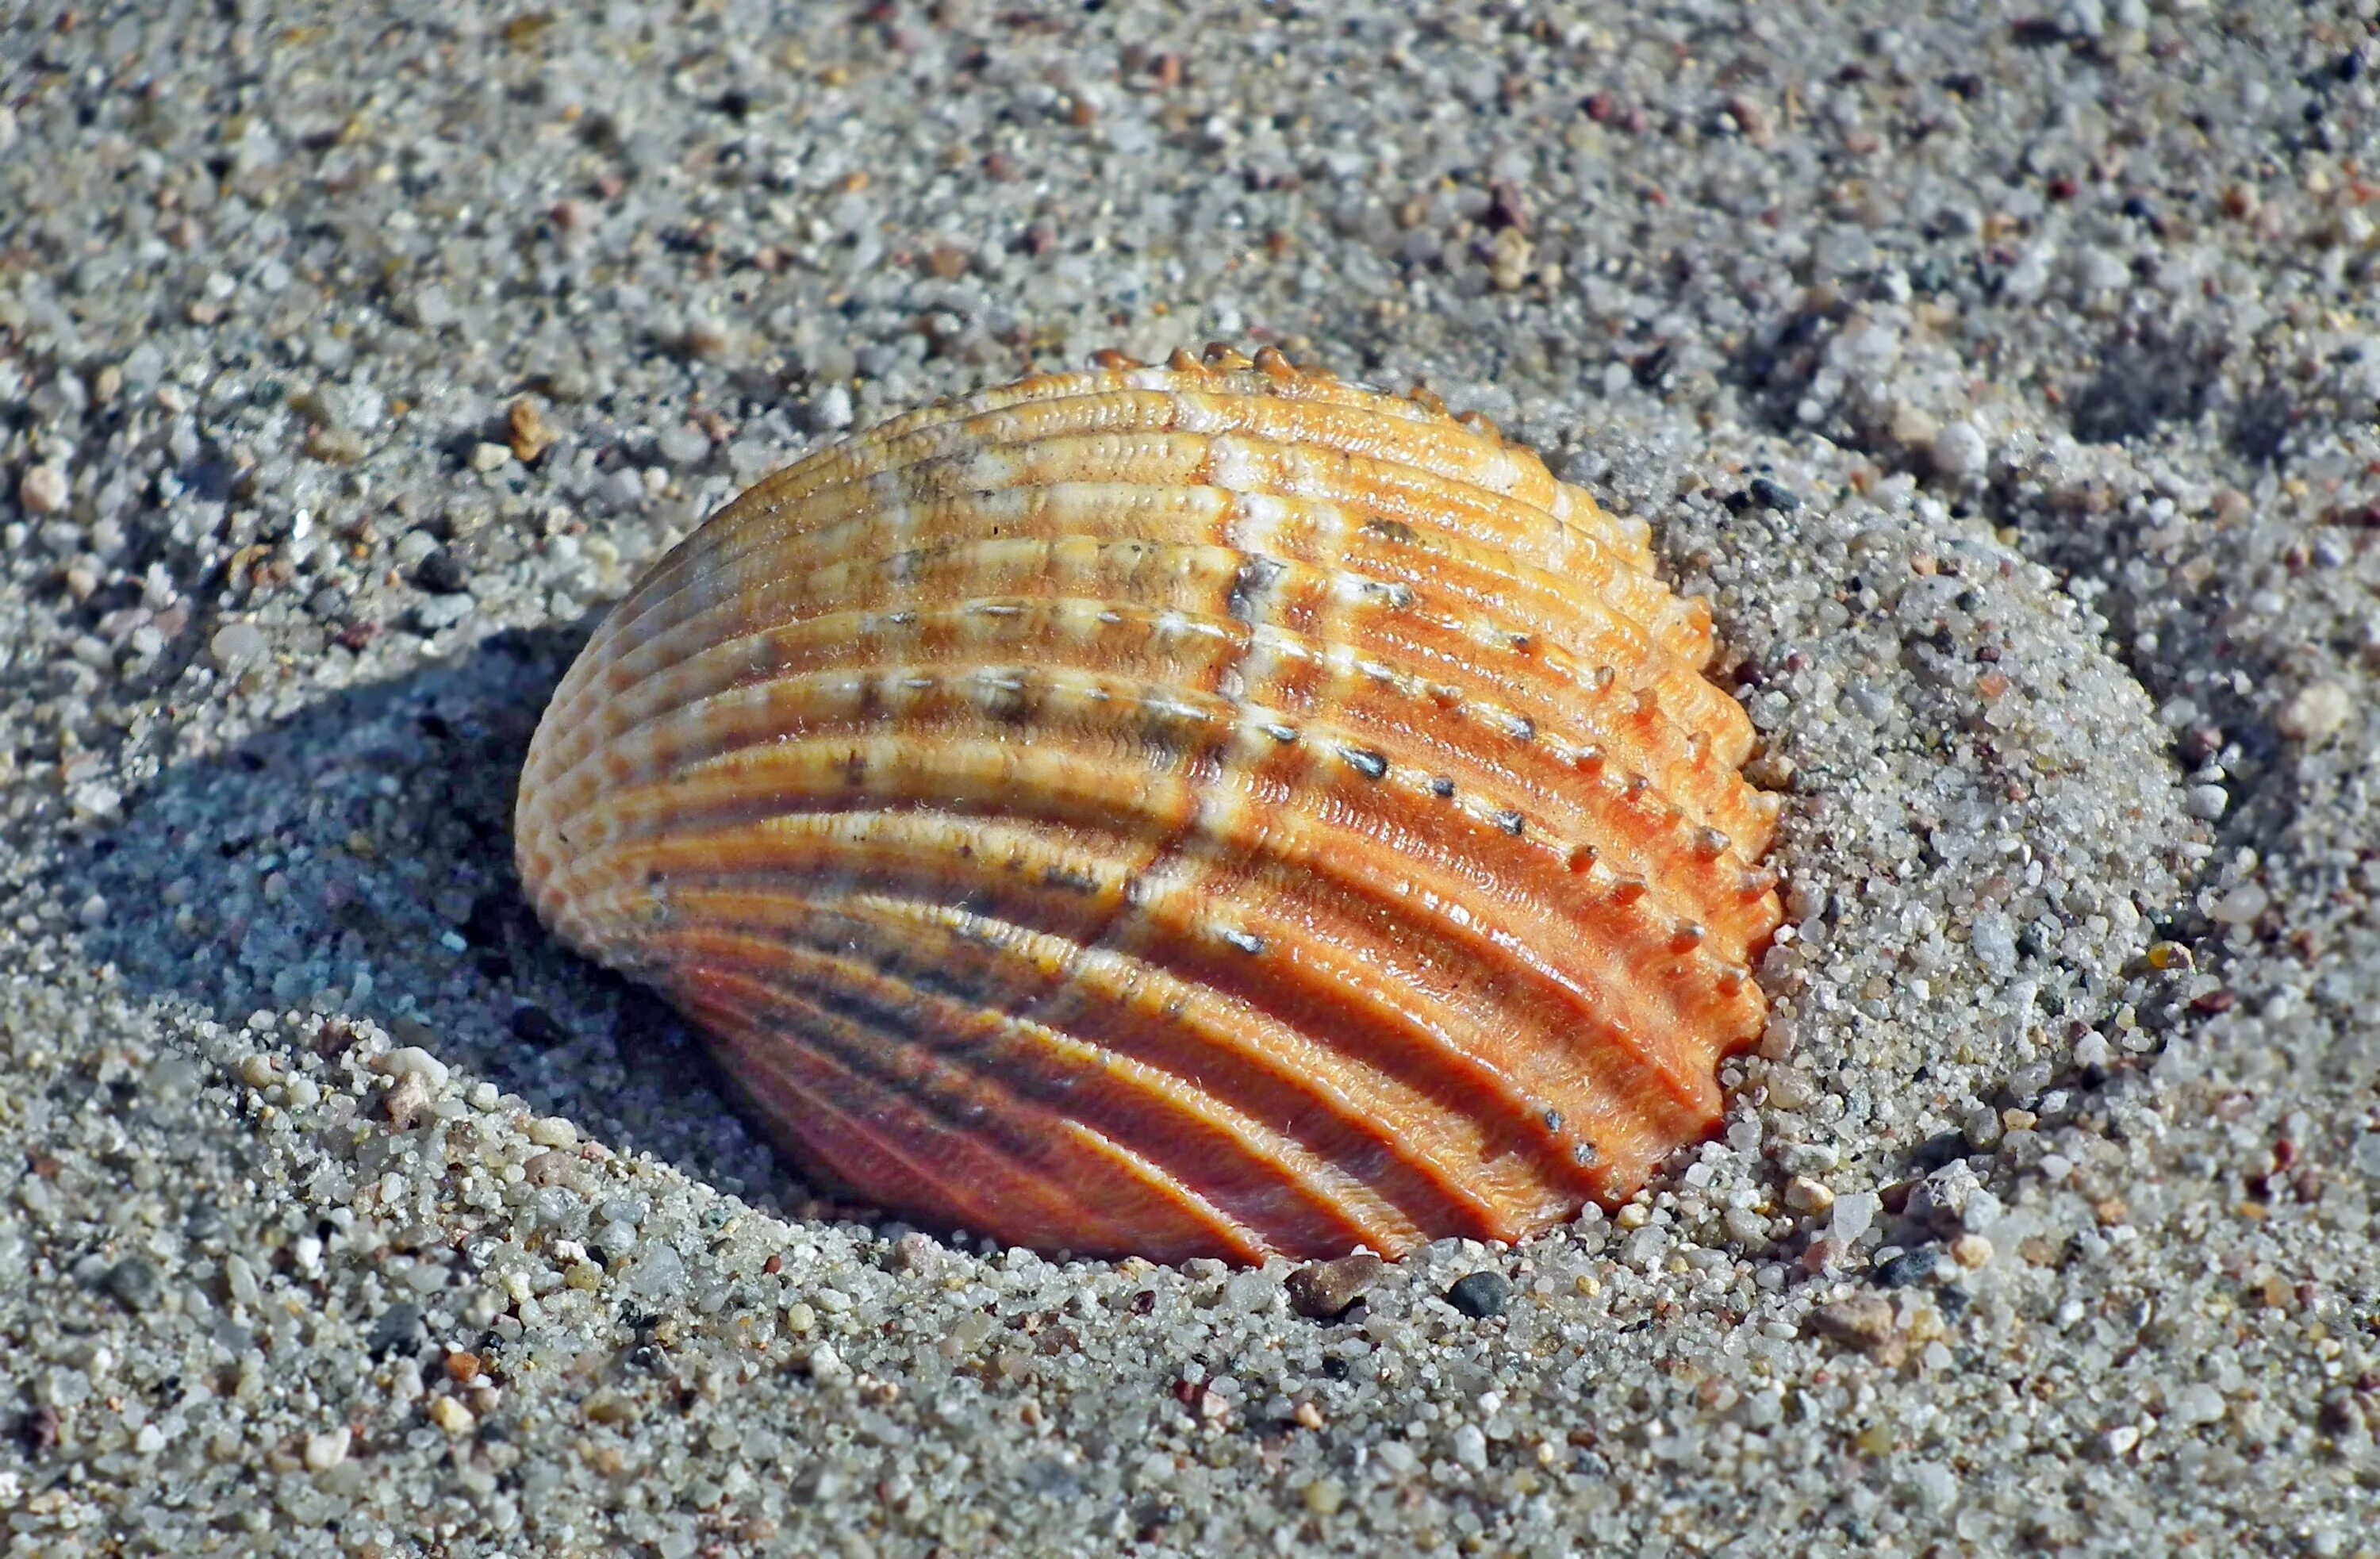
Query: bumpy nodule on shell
[1207,810]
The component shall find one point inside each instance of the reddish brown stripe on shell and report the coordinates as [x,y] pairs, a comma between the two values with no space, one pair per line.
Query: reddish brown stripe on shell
[1340,837]
[955,764]
[1202,579]
[1180,633]
[1088,806]
[869,1127]
[929,740]
[1260,1176]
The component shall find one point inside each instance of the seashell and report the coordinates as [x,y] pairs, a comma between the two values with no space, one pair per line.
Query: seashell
[1199,809]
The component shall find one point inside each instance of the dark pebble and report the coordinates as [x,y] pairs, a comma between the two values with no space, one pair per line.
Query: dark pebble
[1325,1289]
[1481,1295]
[1930,275]
[134,1281]
[538,1027]
[440,574]
[202,1221]
[398,1330]
[1774,494]
[1909,1266]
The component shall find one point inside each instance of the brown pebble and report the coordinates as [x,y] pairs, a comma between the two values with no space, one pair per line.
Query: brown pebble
[1323,1290]
[948,261]
[1751,119]
[334,446]
[462,1366]
[532,435]
[405,1101]
[1864,1323]
[1507,205]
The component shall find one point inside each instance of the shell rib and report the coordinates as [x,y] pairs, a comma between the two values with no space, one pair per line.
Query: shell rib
[1208,810]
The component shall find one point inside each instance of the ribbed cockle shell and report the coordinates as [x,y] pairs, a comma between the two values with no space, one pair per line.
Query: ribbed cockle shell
[1207,810]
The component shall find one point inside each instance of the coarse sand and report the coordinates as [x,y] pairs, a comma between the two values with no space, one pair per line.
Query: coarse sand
[2005,377]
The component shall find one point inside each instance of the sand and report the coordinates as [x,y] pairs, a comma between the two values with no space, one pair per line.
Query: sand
[2007,380]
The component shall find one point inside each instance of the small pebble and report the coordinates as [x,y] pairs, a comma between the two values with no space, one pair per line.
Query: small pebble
[1324,1290]
[236,646]
[1909,1267]
[2318,712]
[336,446]
[1913,427]
[1774,494]
[538,1025]
[831,411]
[438,573]
[1960,452]
[531,435]
[328,1449]
[134,1281]
[412,1061]
[2205,802]
[1854,1214]
[553,1131]
[1481,1295]
[399,1328]
[1865,1322]
[449,1414]
[2240,907]
[42,489]
[684,445]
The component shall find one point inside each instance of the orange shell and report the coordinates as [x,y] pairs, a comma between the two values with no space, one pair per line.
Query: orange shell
[1209,809]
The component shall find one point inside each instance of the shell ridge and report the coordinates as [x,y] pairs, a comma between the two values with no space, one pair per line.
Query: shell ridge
[1334,860]
[1466,1063]
[754,520]
[1387,427]
[754,788]
[959,1175]
[758,768]
[1274,1164]
[1267,1153]
[1595,725]
[1118,973]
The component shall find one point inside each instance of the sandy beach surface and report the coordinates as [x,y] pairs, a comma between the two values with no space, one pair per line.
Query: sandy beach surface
[2005,376]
